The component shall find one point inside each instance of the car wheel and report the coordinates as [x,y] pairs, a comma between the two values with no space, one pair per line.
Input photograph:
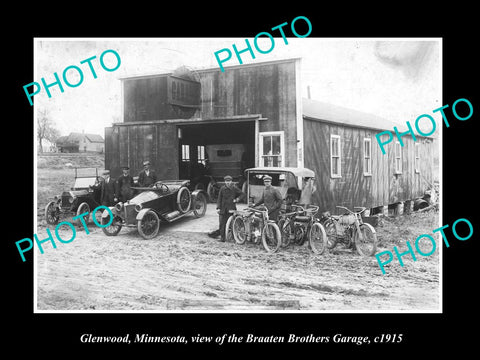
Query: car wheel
[52,215]
[184,199]
[149,225]
[82,209]
[114,227]
[200,205]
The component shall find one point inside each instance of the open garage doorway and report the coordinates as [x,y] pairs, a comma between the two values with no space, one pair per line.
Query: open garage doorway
[208,152]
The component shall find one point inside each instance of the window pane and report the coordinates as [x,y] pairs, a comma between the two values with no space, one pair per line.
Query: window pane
[334,146]
[267,145]
[275,145]
[334,166]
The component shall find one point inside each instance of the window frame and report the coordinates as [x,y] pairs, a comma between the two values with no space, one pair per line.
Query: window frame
[416,160]
[262,155]
[339,156]
[398,170]
[368,171]
[185,153]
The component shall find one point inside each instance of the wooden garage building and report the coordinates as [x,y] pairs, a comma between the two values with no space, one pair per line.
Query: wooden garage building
[170,119]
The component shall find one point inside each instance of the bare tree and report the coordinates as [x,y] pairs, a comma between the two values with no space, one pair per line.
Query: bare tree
[46,129]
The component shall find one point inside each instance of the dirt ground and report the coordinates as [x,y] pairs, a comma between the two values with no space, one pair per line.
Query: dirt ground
[184,269]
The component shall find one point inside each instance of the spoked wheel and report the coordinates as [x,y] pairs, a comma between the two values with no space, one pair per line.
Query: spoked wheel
[331,231]
[271,237]
[52,214]
[200,205]
[114,227]
[148,226]
[286,232]
[239,230]
[317,238]
[229,229]
[184,199]
[299,232]
[82,209]
[366,241]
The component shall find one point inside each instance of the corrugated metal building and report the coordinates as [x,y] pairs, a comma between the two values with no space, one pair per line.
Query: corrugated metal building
[169,119]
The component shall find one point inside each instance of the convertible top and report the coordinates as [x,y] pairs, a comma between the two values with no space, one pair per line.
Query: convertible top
[297,171]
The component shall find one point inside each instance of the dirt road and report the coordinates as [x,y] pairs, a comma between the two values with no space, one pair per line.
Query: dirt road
[184,269]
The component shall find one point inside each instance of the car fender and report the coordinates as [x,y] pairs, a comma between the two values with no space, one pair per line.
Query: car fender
[142,213]
[196,192]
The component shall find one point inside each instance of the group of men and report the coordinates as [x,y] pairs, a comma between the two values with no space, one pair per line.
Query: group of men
[120,190]
[230,195]
[113,191]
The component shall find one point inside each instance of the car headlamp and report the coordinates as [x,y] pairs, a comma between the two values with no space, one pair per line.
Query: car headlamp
[119,206]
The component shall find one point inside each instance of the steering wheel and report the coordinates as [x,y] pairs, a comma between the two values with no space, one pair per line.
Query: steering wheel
[162,187]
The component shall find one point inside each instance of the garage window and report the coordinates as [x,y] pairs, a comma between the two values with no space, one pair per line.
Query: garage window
[335,156]
[417,158]
[367,156]
[272,148]
[186,153]
[398,158]
[201,154]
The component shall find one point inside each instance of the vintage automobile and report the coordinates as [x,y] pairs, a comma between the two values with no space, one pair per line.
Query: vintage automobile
[295,184]
[79,199]
[166,200]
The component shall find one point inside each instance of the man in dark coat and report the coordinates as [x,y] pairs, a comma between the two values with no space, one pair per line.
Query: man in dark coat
[228,196]
[147,176]
[107,188]
[124,185]
[271,198]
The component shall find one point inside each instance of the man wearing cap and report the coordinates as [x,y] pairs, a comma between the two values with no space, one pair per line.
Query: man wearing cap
[107,188]
[228,196]
[147,176]
[124,185]
[271,198]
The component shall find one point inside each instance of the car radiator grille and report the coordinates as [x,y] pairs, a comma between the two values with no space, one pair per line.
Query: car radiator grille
[130,213]
[65,202]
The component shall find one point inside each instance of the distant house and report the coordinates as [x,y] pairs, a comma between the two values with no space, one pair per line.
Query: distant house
[81,142]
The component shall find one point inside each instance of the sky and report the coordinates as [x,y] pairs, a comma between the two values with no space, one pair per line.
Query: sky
[398,79]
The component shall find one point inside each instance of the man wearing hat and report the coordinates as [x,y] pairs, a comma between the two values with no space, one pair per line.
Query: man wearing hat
[228,196]
[107,188]
[124,185]
[147,176]
[271,198]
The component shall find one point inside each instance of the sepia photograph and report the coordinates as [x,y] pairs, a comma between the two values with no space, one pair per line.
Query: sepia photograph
[227,175]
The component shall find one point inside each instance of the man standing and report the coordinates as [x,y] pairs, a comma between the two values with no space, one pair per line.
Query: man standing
[124,185]
[271,198]
[107,187]
[147,176]
[228,196]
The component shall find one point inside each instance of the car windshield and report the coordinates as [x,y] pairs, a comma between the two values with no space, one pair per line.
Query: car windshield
[84,182]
